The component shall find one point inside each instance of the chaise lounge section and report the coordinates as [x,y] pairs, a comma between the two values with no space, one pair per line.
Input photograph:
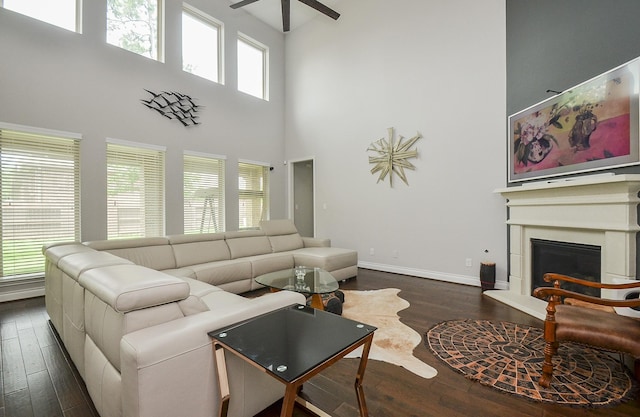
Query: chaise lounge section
[134,314]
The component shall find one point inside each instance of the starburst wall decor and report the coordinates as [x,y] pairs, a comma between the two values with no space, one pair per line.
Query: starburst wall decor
[392,157]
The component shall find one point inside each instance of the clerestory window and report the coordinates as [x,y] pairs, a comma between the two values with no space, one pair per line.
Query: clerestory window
[62,13]
[136,25]
[201,44]
[253,64]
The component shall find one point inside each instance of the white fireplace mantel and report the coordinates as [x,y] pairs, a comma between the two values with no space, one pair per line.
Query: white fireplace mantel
[600,210]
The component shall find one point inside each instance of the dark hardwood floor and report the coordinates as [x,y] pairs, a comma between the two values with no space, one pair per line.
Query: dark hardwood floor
[38,379]
[394,392]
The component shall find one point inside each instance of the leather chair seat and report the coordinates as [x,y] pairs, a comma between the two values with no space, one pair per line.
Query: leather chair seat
[598,328]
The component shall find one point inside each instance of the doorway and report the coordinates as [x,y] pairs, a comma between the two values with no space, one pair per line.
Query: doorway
[302,197]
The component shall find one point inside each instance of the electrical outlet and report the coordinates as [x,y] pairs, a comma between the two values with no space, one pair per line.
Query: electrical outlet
[468,262]
[372,251]
[394,253]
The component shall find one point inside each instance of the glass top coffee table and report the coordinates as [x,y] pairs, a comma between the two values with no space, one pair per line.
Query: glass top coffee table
[312,281]
[292,345]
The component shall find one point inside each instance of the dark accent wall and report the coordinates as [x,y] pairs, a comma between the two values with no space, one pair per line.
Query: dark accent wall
[556,44]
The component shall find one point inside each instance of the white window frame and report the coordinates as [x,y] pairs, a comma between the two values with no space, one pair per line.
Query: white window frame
[160,29]
[153,215]
[42,211]
[77,17]
[263,194]
[207,203]
[265,64]
[219,26]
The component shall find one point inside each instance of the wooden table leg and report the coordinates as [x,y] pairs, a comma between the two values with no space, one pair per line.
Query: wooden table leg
[362,405]
[316,301]
[223,379]
[289,400]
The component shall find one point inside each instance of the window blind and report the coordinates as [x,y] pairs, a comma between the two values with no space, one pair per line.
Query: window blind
[40,189]
[135,191]
[203,194]
[253,193]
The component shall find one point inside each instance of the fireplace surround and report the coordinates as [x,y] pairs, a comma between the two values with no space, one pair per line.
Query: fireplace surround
[596,210]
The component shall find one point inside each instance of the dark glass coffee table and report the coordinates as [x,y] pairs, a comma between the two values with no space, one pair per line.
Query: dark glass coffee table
[311,281]
[292,345]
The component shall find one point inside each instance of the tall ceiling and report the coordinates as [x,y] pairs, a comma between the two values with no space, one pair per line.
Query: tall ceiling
[270,12]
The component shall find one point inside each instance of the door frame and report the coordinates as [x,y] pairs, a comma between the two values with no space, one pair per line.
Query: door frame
[290,188]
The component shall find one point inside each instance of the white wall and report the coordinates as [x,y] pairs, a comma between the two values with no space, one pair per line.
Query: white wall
[436,67]
[55,79]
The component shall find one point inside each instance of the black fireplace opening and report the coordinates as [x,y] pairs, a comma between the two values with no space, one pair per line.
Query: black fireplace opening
[573,259]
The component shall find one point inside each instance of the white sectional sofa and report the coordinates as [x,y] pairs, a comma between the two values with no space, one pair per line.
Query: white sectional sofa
[134,314]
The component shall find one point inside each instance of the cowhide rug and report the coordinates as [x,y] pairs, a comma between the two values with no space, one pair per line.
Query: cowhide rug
[393,342]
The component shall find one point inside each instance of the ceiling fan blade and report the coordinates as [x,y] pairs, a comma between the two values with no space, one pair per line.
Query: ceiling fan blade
[321,8]
[286,15]
[242,3]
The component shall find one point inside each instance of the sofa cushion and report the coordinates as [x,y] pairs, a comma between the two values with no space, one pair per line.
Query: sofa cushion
[198,291]
[130,287]
[278,227]
[197,249]
[75,264]
[56,252]
[285,243]
[247,243]
[329,259]
[263,264]
[283,235]
[152,252]
[223,272]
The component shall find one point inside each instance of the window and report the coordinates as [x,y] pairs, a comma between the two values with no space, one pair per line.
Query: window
[253,193]
[40,189]
[201,44]
[62,13]
[203,193]
[252,67]
[135,190]
[135,25]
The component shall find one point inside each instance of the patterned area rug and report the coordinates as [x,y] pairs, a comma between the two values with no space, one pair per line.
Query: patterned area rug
[509,357]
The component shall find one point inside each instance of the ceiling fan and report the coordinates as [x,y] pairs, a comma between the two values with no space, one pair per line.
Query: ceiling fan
[286,10]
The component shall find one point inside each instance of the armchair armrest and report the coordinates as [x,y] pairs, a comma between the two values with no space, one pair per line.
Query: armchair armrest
[553,294]
[559,277]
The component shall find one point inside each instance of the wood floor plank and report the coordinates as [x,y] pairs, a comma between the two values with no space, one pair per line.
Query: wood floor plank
[8,330]
[44,401]
[18,404]
[14,377]
[31,353]
[64,382]
[45,335]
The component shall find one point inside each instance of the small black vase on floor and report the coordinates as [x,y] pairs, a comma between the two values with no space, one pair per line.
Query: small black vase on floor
[487,275]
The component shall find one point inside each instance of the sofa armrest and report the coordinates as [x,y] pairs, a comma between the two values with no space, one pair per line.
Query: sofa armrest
[169,369]
[132,287]
[316,242]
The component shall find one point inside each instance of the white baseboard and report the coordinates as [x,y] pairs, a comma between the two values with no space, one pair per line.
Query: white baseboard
[423,273]
[19,289]
[20,295]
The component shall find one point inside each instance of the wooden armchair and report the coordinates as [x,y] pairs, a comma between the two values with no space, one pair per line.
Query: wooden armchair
[588,326]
